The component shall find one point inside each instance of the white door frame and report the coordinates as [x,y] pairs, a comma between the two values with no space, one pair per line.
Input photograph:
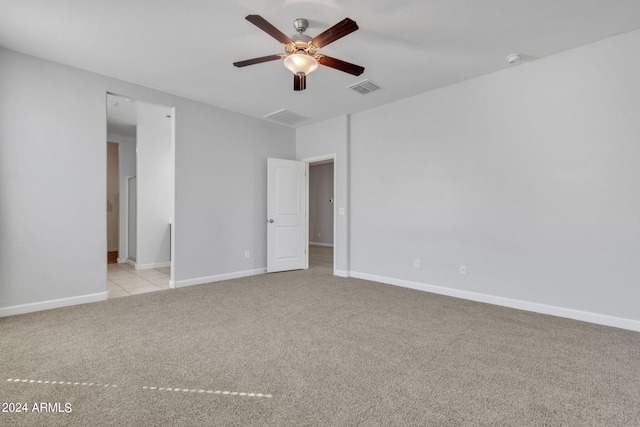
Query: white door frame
[172,217]
[307,161]
[125,258]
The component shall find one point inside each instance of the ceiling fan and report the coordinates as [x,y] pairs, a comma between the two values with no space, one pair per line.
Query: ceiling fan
[301,55]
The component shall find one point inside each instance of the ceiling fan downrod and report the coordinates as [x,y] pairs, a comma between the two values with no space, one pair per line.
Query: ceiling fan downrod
[300,25]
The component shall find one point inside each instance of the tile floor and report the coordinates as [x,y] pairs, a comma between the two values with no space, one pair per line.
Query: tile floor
[125,280]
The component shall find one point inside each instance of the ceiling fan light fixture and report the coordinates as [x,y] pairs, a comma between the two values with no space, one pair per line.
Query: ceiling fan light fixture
[300,62]
[300,57]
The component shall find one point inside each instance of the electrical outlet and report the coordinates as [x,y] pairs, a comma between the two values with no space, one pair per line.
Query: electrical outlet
[463,269]
[416,263]
[247,254]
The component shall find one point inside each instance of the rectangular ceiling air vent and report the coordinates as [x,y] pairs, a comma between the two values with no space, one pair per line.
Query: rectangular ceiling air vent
[285,117]
[364,87]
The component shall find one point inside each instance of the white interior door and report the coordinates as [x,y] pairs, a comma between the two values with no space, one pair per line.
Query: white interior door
[286,215]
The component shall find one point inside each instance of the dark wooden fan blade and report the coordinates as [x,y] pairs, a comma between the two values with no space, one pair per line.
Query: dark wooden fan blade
[341,29]
[338,64]
[257,60]
[265,26]
[299,82]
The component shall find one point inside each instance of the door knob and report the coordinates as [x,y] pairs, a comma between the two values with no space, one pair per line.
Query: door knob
[271,221]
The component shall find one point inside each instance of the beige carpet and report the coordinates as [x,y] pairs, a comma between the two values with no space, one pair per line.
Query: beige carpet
[308,349]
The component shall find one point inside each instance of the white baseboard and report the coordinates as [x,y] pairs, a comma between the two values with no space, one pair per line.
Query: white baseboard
[153,265]
[55,303]
[126,261]
[327,245]
[341,273]
[585,316]
[208,279]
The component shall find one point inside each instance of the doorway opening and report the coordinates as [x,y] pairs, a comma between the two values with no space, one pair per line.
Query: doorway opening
[301,214]
[140,195]
[321,214]
[113,202]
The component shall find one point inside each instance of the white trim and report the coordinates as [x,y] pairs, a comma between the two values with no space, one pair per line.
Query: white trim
[326,245]
[122,261]
[172,222]
[209,279]
[153,265]
[341,273]
[331,156]
[126,210]
[585,316]
[307,176]
[55,303]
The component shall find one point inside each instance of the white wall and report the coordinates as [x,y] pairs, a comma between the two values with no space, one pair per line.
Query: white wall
[127,167]
[527,176]
[332,137]
[154,185]
[321,204]
[53,184]
[221,187]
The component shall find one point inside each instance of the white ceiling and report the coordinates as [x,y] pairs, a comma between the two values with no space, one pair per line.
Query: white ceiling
[187,47]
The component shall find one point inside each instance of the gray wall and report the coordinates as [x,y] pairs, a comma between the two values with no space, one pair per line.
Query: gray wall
[53,183]
[527,176]
[221,187]
[321,204]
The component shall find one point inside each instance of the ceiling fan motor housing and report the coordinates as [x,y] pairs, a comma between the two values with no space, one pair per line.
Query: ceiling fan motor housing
[301,42]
